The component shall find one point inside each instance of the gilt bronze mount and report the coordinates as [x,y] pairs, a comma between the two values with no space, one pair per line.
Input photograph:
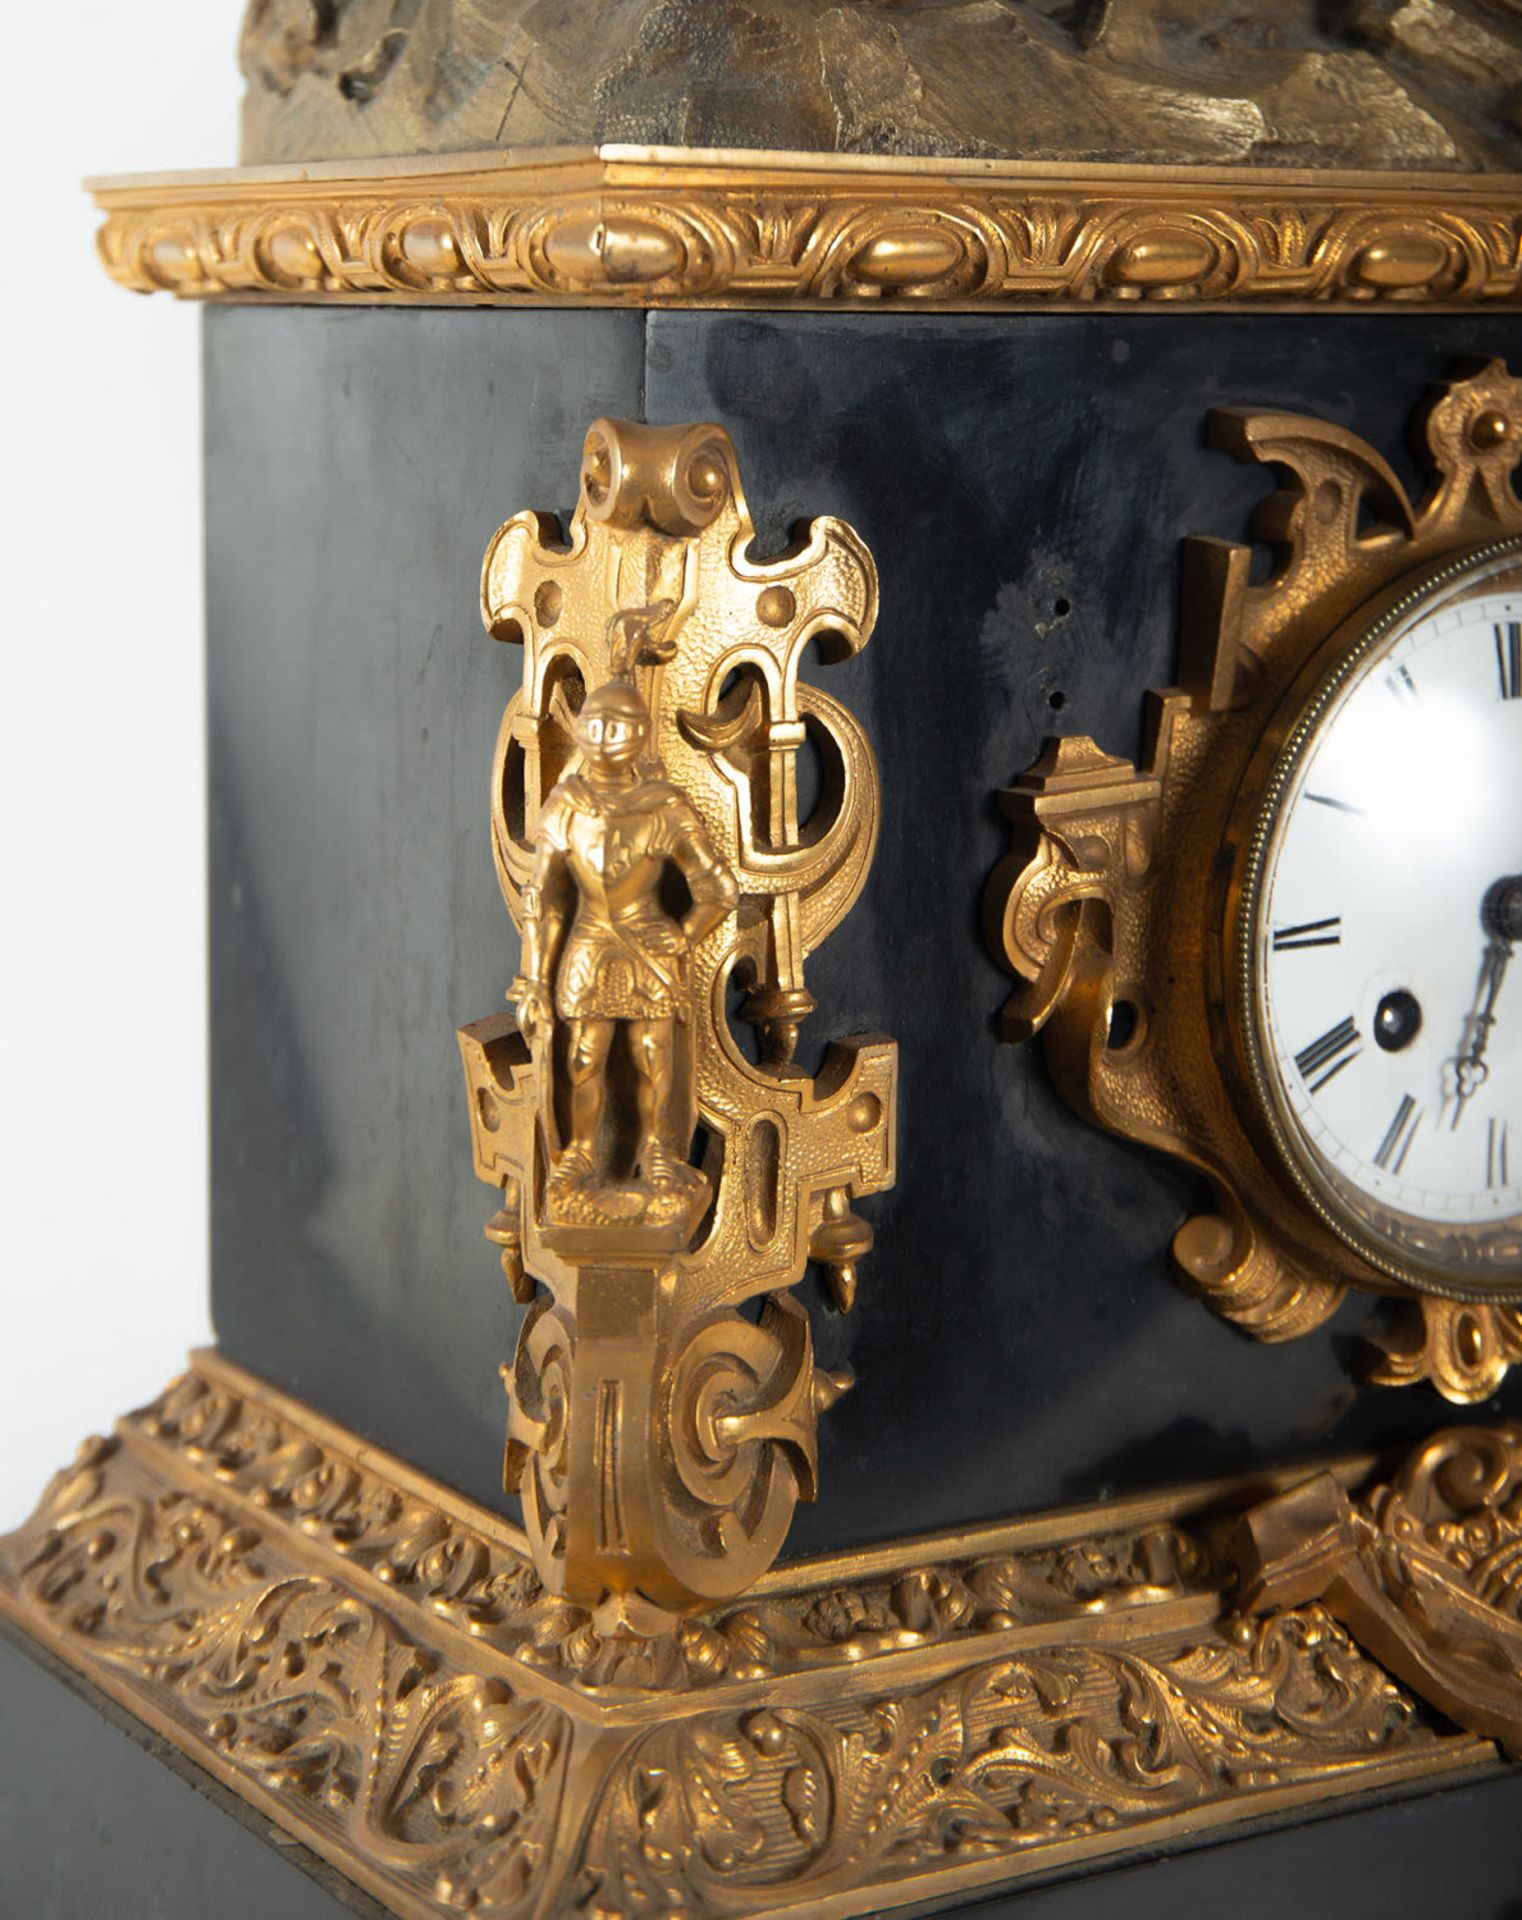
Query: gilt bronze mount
[1424,1570]
[374,1664]
[657,1171]
[1122,908]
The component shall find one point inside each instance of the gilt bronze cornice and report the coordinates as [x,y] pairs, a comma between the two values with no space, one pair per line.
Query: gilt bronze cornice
[674,227]
[373,1663]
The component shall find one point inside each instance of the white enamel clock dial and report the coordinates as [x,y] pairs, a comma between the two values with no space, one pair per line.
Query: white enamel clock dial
[1385,932]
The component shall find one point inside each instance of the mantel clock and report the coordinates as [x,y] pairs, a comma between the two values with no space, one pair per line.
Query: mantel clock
[867,1524]
[1280,948]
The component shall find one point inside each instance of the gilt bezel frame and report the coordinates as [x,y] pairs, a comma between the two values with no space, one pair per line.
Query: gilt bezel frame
[1349,650]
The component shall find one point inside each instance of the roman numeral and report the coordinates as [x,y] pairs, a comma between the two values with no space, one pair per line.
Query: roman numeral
[1497,1172]
[1402,685]
[1509,658]
[1399,1135]
[1310,933]
[1325,1058]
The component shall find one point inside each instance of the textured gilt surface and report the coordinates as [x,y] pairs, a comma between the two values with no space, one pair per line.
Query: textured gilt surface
[1425,1570]
[660,1438]
[374,1664]
[652,227]
[1389,83]
[1121,881]
[1463,1350]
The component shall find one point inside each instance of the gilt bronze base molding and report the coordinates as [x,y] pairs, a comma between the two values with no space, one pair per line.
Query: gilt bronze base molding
[372,1662]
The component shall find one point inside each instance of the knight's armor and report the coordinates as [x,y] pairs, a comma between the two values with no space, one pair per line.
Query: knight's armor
[623,956]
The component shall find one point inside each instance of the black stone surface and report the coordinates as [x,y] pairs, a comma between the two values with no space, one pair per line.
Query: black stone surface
[1449,1856]
[354,476]
[1024,482]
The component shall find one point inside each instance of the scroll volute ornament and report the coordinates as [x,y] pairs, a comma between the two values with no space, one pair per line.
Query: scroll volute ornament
[1424,1570]
[657,1174]
[1117,906]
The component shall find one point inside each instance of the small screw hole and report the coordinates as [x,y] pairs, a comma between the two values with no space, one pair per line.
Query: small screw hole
[1057,701]
[1124,1022]
[1062,607]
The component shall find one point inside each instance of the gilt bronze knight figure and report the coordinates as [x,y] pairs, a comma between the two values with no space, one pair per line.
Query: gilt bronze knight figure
[602,951]
[664,1178]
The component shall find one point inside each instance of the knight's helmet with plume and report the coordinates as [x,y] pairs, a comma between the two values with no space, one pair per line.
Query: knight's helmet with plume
[637,637]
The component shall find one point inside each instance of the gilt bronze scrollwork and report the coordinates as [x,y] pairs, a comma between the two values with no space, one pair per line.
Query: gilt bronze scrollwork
[656,1172]
[1424,1570]
[1127,908]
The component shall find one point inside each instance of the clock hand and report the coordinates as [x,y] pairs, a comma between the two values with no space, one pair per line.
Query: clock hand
[1501,917]
[1470,1068]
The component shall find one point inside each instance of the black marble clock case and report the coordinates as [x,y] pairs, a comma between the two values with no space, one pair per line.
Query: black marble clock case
[1024,482]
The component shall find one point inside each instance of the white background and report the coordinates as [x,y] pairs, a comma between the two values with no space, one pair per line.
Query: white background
[102,891]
